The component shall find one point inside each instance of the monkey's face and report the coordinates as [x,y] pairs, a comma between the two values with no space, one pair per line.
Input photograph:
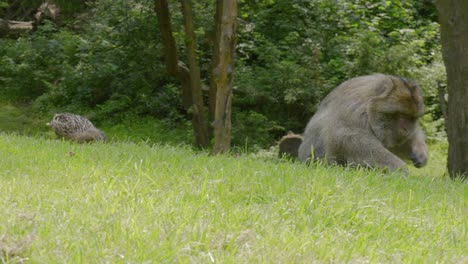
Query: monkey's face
[403,126]
[394,120]
[393,129]
[393,116]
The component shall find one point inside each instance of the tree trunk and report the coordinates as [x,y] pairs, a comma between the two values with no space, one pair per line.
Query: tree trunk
[198,113]
[213,39]
[223,72]
[175,68]
[454,35]
[190,79]
[14,29]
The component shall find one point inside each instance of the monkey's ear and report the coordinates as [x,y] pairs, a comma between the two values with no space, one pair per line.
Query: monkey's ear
[416,94]
[385,87]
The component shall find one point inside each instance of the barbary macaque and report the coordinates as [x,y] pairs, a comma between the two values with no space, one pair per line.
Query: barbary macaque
[371,121]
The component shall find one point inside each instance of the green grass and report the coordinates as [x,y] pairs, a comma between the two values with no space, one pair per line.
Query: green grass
[126,202]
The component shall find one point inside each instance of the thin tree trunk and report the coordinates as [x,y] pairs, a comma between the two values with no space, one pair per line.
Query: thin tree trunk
[175,68]
[198,113]
[223,73]
[214,61]
[454,35]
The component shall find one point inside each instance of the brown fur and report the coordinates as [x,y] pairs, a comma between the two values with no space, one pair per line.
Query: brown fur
[289,145]
[370,121]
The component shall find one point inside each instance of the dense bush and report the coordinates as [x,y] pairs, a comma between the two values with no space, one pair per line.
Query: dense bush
[112,67]
[290,54]
[29,67]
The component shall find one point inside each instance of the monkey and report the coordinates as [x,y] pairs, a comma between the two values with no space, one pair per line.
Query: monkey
[369,121]
[289,145]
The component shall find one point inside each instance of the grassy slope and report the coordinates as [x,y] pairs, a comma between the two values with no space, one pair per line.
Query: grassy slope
[125,202]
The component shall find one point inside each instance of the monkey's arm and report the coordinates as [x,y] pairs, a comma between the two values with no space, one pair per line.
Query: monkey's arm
[364,149]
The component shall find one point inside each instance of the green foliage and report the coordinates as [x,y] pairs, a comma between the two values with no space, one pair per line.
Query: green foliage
[430,77]
[30,68]
[115,56]
[25,9]
[251,130]
[114,66]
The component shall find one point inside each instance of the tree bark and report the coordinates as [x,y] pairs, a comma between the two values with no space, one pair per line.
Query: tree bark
[454,35]
[11,28]
[198,112]
[192,98]
[223,72]
[213,39]
[174,67]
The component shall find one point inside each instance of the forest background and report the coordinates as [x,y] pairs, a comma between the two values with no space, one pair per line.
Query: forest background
[146,199]
[105,60]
